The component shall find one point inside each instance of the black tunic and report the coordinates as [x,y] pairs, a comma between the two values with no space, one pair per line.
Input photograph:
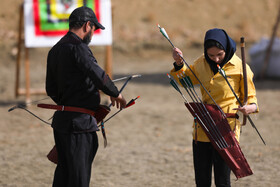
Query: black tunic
[74,79]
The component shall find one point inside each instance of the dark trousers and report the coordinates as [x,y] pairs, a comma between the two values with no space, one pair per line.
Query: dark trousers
[204,157]
[75,156]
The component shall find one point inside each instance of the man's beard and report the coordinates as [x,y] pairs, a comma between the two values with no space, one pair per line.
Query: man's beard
[87,38]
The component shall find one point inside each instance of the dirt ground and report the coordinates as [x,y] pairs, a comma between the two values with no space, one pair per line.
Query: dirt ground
[149,144]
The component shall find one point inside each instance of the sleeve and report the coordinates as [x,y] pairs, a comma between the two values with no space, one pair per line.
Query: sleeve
[88,64]
[183,71]
[176,67]
[251,88]
[51,86]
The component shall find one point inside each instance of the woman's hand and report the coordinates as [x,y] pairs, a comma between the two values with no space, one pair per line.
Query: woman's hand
[247,109]
[177,53]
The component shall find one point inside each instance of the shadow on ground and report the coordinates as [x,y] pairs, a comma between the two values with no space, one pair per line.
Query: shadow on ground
[162,79]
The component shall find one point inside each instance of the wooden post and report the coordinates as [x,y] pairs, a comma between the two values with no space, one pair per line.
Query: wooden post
[20,26]
[27,76]
[27,91]
[108,61]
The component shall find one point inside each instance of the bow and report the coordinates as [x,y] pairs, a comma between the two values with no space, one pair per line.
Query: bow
[242,45]
[52,155]
[129,104]
[124,85]
[24,106]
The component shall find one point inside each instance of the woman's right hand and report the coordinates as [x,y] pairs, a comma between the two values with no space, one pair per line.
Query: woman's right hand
[177,54]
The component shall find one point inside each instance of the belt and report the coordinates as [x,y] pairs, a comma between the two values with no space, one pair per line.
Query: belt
[99,115]
[232,115]
[67,108]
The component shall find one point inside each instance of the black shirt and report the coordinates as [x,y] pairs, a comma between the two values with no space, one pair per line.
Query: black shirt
[74,79]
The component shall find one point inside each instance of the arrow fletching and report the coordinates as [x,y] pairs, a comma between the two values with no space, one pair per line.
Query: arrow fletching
[131,102]
[163,32]
[188,80]
[173,83]
[221,71]
[182,80]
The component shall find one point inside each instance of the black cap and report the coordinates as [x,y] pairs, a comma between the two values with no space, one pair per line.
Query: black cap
[83,14]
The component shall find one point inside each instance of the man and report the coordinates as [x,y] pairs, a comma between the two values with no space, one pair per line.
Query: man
[74,80]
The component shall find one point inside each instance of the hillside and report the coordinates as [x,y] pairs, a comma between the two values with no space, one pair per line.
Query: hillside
[135,24]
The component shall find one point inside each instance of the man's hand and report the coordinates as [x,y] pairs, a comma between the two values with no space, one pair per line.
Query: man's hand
[120,101]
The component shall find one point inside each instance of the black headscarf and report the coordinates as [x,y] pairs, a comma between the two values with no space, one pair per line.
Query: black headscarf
[222,38]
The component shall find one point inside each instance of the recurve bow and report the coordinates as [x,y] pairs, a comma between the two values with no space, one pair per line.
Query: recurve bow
[242,45]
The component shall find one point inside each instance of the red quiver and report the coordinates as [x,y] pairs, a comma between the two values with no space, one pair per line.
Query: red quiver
[226,144]
[99,115]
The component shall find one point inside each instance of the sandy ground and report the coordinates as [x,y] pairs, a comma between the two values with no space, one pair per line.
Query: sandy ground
[148,144]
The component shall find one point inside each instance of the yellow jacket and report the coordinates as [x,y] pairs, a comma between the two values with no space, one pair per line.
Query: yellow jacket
[219,90]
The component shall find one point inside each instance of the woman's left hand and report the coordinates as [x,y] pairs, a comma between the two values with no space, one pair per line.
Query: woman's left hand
[247,109]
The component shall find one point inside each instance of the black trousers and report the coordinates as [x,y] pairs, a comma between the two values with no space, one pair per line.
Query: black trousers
[76,152]
[204,157]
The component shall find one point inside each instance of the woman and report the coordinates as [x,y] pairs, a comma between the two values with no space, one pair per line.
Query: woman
[219,49]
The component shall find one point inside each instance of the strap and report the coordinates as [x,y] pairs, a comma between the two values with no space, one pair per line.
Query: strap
[99,115]
[232,115]
[103,133]
[67,108]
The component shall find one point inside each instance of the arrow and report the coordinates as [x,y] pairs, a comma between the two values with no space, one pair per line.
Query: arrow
[162,30]
[175,85]
[130,103]
[164,33]
[221,71]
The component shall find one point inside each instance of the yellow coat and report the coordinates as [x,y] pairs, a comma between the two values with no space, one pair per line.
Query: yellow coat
[219,90]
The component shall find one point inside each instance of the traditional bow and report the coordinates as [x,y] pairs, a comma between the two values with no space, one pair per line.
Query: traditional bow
[132,102]
[24,106]
[242,46]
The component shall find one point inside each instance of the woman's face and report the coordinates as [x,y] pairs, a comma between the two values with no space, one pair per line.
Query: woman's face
[216,54]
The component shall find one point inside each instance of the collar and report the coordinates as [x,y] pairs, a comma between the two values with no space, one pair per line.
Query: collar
[232,61]
[74,35]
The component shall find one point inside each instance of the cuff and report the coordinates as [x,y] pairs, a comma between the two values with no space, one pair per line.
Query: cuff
[176,67]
